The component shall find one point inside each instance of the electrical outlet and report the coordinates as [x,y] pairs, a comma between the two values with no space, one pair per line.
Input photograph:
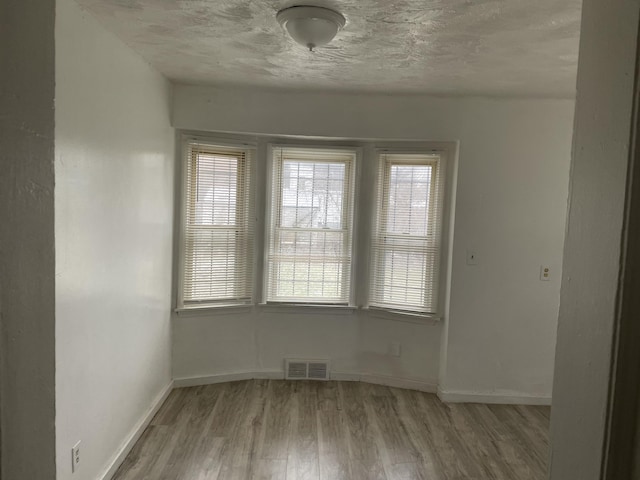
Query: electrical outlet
[75,457]
[545,273]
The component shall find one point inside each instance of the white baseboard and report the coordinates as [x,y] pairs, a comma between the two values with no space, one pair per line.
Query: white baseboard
[346,377]
[386,380]
[279,374]
[499,398]
[505,398]
[135,434]
[226,377]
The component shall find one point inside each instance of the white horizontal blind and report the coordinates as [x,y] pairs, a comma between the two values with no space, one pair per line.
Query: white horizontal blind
[406,240]
[309,255]
[218,226]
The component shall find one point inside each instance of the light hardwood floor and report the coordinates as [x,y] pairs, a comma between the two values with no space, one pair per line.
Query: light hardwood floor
[274,429]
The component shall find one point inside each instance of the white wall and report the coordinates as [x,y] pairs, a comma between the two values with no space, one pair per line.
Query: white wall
[257,341]
[27,270]
[511,207]
[511,203]
[602,142]
[114,204]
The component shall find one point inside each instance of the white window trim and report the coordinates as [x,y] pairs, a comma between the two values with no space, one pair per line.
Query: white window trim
[367,155]
[447,152]
[355,188]
[307,308]
[383,172]
[402,315]
[202,309]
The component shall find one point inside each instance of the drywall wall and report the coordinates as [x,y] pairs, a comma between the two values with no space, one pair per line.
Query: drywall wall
[594,237]
[511,196]
[257,341]
[114,160]
[27,391]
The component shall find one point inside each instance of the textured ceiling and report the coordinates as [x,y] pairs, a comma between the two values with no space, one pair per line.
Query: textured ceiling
[486,47]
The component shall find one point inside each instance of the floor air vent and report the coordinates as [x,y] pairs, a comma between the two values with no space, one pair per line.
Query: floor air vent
[296,369]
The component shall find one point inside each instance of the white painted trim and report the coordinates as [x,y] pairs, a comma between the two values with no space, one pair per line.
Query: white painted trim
[410,384]
[273,170]
[227,377]
[212,311]
[399,316]
[389,381]
[345,377]
[269,374]
[499,398]
[310,309]
[135,434]
[249,147]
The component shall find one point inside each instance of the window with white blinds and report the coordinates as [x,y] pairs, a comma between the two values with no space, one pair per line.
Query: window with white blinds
[310,238]
[406,240]
[217,226]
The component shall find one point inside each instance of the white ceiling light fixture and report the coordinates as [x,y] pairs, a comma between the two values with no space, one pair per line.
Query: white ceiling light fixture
[311,26]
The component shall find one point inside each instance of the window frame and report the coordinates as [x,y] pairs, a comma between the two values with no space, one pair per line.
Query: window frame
[383,175]
[183,200]
[364,207]
[352,216]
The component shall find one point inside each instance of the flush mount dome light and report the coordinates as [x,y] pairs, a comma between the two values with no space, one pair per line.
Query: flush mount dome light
[311,26]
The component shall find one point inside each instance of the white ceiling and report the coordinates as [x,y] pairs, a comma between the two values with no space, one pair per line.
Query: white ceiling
[486,47]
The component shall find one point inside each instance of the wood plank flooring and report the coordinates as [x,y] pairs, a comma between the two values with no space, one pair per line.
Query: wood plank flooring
[274,429]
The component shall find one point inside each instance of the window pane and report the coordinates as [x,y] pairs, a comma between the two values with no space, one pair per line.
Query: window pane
[310,264]
[314,278]
[310,243]
[212,263]
[404,269]
[312,194]
[408,201]
[216,190]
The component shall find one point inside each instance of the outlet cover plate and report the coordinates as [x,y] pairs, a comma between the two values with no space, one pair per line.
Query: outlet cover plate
[75,457]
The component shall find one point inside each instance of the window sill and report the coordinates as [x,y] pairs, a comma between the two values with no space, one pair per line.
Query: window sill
[297,308]
[210,310]
[400,316]
[313,309]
